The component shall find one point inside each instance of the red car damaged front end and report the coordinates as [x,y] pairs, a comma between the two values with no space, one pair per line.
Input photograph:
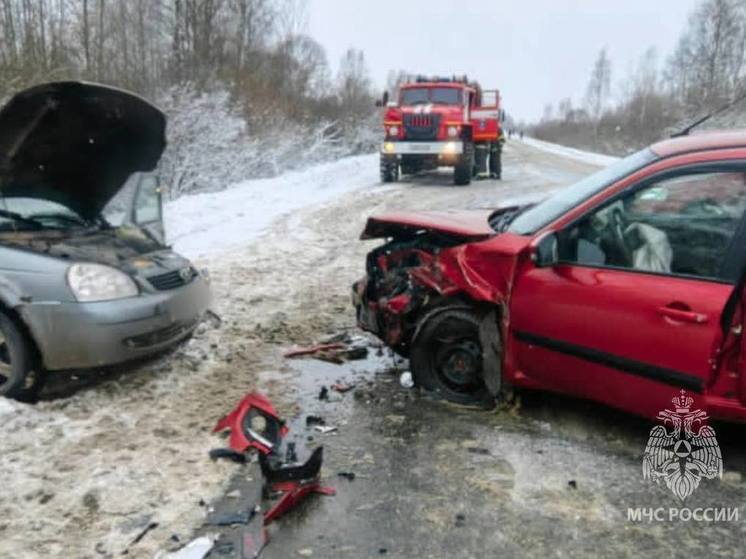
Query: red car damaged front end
[429,258]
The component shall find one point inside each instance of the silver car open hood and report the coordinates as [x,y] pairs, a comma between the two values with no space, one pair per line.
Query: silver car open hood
[76,143]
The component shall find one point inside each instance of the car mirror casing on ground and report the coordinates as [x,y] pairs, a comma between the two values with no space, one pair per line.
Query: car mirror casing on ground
[545,252]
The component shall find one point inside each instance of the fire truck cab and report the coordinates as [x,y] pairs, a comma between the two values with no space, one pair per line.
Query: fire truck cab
[442,122]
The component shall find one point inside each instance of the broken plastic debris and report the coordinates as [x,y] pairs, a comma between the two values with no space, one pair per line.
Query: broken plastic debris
[141,535]
[276,472]
[342,387]
[337,350]
[325,428]
[196,549]
[303,351]
[228,453]
[253,423]
[406,380]
[294,495]
[254,540]
[291,457]
[314,420]
[477,450]
[231,518]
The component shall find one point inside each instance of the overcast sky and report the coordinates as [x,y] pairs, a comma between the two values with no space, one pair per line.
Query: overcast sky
[534,51]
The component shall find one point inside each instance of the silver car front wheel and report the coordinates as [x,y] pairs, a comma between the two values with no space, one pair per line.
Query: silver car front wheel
[19,379]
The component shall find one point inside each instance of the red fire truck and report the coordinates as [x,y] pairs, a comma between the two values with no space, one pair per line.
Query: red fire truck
[442,122]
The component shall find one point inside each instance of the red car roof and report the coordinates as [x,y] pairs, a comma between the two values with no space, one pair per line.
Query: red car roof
[700,142]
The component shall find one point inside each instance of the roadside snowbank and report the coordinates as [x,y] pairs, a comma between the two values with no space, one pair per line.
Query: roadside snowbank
[572,153]
[202,224]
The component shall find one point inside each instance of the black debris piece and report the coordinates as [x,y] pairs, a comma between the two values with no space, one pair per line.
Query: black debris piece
[228,454]
[274,471]
[354,353]
[347,475]
[572,484]
[151,526]
[478,450]
[312,420]
[291,457]
[324,393]
[460,520]
[230,518]
[224,548]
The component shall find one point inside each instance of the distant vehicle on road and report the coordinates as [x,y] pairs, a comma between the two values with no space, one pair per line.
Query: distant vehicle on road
[442,122]
[625,288]
[78,290]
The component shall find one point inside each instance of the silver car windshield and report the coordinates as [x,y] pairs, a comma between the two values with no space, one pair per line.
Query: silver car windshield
[544,213]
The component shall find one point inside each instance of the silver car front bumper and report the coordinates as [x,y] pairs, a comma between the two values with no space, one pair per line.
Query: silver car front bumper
[84,335]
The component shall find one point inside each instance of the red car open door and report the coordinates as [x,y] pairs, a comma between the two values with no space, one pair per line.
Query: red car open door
[630,313]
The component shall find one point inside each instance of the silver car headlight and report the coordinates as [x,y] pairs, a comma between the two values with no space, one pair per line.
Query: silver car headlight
[96,282]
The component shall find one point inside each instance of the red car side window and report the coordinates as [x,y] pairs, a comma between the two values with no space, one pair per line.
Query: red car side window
[680,226]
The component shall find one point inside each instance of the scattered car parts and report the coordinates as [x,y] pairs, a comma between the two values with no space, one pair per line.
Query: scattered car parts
[338,349]
[198,548]
[254,423]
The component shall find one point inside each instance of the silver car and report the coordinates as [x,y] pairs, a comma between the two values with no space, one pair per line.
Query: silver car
[85,277]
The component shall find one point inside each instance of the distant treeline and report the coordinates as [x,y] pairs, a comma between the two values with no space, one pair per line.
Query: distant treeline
[245,59]
[706,70]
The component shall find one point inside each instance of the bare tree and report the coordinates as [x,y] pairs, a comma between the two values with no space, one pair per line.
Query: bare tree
[599,85]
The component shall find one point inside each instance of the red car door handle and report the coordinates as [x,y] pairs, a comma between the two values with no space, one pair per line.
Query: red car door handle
[682,315]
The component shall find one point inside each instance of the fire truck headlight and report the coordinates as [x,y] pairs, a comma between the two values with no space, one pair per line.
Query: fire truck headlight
[452,131]
[393,130]
[388,147]
[450,148]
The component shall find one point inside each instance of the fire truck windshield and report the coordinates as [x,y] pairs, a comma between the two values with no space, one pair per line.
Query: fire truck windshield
[434,95]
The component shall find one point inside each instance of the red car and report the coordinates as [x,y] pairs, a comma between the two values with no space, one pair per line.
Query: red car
[625,288]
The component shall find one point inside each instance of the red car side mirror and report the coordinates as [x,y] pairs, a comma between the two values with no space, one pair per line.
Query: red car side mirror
[544,251]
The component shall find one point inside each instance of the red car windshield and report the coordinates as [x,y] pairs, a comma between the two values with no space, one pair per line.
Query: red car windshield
[544,213]
[434,95]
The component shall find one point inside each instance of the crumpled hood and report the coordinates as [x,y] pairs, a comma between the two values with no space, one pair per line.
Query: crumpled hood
[76,143]
[466,224]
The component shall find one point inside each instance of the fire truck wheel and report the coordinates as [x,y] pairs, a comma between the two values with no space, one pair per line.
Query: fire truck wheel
[389,169]
[496,165]
[464,168]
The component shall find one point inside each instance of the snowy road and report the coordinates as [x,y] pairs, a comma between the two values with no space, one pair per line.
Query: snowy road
[108,453]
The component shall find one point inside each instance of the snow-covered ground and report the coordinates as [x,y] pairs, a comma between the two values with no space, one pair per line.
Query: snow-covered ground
[201,224]
[198,225]
[572,153]
[107,453]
